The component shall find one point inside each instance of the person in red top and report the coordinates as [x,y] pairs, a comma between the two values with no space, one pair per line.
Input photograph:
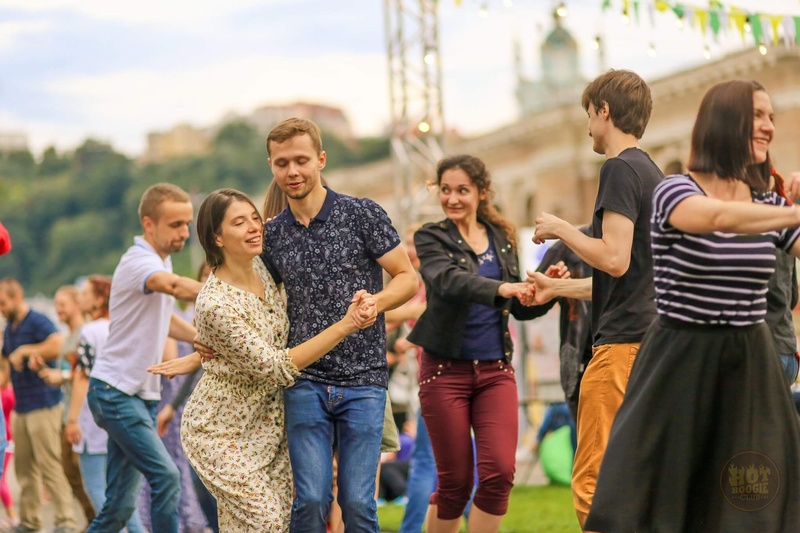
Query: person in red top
[5,240]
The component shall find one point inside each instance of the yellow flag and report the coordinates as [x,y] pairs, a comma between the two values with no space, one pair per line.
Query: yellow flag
[775,21]
[661,5]
[739,19]
[701,19]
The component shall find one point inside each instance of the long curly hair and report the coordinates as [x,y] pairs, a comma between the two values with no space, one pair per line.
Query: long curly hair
[479,176]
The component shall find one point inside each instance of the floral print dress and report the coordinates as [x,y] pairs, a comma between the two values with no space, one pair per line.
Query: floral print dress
[233,427]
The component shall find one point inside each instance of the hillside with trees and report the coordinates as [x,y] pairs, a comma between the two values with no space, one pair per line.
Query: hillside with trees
[73,214]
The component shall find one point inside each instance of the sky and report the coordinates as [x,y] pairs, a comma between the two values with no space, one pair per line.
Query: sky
[114,70]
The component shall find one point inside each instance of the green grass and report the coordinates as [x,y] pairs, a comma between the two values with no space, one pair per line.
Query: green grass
[532,509]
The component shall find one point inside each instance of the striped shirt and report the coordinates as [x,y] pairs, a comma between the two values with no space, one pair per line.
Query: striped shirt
[715,278]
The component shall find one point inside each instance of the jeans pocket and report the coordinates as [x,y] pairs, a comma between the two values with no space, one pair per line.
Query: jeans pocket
[102,404]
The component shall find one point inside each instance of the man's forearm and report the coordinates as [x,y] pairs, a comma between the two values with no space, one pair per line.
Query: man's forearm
[578,289]
[398,291]
[48,348]
[180,330]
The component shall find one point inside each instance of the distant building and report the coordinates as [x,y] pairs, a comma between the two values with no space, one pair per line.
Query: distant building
[544,160]
[181,140]
[561,81]
[13,141]
[184,139]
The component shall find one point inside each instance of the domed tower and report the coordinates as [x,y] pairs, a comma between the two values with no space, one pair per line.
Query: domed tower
[561,81]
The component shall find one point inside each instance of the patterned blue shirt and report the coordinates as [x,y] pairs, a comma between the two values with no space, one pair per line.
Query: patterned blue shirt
[31,391]
[322,266]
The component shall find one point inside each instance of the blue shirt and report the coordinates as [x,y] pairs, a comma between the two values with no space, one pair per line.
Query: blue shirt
[31,391]
[322,266]
[483,331]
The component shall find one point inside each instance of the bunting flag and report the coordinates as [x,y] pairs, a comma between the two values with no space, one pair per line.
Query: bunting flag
[716,16]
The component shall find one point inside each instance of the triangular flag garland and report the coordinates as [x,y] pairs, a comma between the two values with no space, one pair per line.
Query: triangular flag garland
[717,16]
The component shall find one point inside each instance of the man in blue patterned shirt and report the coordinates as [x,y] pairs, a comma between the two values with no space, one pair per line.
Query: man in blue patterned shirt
[325,247]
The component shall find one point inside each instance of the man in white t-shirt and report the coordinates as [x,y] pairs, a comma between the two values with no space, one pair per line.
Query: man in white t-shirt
[122,395]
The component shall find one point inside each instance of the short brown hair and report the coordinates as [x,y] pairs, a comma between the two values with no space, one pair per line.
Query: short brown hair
[156,194]
[628,98]
[12,287]
[722,137]
[292,127]
[209,219]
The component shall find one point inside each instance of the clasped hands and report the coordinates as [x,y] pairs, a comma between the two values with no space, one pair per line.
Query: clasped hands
[536,289]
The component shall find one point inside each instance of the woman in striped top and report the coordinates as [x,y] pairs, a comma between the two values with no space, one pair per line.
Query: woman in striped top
[707,438]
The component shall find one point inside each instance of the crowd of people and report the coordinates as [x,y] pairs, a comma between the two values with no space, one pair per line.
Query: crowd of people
[676,346]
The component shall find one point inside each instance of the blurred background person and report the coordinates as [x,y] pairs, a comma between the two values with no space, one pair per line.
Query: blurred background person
[11,519]
[90,442]
[70,314]
[36,425]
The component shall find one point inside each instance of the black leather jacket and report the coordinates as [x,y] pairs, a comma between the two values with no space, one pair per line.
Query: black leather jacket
[449,268]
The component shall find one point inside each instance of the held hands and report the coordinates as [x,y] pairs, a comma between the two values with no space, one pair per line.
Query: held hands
[363,310]
[547,227]
[542,287]
[521,291]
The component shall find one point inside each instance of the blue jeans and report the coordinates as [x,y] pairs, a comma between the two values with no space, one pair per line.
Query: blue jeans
[93,472]
[315,414]
[133,447]
[790,367]
[421,480]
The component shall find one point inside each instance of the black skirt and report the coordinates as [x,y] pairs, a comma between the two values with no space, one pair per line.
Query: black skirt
[706,440]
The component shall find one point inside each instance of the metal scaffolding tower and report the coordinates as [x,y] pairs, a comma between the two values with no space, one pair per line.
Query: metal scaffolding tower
[415,92]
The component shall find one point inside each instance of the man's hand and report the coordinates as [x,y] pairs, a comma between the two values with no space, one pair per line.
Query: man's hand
[177,367]
[547,227]
[52,376]
[559,270]
[206,353]
[791,185]
[542,287]
[366,309]
[164,419]
[72,431]
[19,358]
[521,291]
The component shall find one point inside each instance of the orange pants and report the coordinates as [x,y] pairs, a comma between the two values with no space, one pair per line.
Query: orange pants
[602,389]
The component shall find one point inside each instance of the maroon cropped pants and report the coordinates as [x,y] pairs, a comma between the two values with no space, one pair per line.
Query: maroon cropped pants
[456,396]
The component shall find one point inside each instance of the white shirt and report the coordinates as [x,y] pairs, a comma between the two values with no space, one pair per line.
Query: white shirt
[94,439]
[139,324]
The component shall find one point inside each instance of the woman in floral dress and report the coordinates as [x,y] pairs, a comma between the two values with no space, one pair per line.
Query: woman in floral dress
[233,427]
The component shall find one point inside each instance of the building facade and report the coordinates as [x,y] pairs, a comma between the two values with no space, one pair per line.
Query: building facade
[544,161]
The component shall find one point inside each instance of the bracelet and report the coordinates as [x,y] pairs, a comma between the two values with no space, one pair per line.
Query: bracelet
[72,421]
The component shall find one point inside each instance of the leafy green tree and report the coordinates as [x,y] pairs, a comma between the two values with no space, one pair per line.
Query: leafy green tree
[53,163]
